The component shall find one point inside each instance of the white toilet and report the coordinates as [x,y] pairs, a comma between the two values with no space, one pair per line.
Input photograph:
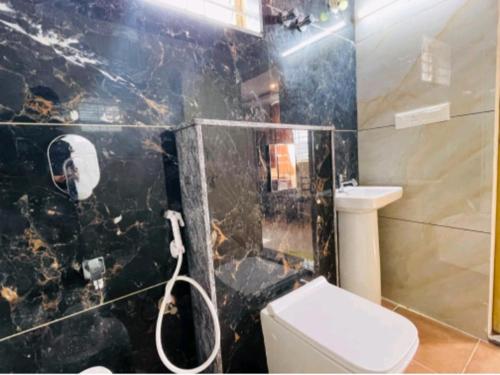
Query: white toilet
[96,370]
[320,328]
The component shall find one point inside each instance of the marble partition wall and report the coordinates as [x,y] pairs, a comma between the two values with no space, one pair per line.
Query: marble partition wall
[435,241]
[254,235]
[53,320]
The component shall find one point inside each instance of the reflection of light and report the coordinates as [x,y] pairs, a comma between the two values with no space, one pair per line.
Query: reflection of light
[315,38]
[246,17]
[273,86]
[301,141]
[436,61]
[338,5]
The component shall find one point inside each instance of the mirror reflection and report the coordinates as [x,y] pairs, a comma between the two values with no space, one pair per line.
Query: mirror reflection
[74,165]
[287,204]
[283,167]
[265,89]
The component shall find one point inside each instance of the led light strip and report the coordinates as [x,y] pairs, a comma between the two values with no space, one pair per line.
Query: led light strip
[315,38]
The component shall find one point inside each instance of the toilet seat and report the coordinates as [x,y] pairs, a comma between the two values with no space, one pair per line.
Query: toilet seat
[355,333]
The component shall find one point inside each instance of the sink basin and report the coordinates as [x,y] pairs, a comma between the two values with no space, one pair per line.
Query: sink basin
[366,198]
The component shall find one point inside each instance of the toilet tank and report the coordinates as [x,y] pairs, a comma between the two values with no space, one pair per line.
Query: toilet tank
[288,353]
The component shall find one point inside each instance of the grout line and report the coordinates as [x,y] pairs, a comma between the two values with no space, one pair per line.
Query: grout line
[469,360]
[473,113]
[69,125]
[373,11]
[392,24]
[425,366]
[443,324]
[183,126]
[396,305]
[82,311]
[434,224]
[176,128]
[451,118]
[346,131]
[376,128]
[447,326]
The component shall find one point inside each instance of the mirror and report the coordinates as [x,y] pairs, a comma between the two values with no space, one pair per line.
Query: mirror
[283,167]
[287,197]
[74,165]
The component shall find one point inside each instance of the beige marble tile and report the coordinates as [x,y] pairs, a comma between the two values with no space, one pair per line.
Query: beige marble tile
[396,72]
[434,270]
[417,368]
[445,170]
[364,8]
[486,359]
[441,348]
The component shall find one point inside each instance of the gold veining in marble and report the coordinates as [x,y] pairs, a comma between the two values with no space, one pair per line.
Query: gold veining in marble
[9,294]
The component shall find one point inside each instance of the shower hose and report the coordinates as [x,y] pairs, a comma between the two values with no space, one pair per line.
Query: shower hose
[177,250]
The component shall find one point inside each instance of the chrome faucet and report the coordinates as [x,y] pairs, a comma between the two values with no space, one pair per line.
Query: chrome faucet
[342,183]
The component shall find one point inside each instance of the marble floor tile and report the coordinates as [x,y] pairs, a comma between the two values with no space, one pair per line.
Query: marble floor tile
[486,359]
[441,348]
[445,170]
[417,368]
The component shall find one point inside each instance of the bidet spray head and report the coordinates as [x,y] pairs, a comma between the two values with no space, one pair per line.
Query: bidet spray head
[176,221]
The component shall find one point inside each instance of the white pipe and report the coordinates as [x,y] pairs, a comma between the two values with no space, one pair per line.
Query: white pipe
[175,218]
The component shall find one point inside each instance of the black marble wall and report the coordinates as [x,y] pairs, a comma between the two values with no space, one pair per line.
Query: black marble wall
[250,241]
[131,62]
[128,62]
[318,82]
[45,236]
[118,335]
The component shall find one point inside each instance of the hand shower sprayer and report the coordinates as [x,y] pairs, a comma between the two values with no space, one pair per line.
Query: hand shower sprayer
[177,251]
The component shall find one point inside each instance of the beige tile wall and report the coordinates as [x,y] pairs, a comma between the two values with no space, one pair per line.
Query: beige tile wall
[445,170]
[389,55]
[435,241]
[439,271]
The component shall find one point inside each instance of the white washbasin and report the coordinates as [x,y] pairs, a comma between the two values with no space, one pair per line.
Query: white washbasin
[359,252]
[366,198]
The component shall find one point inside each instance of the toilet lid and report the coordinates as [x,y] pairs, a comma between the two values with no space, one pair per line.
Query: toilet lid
[354,332]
